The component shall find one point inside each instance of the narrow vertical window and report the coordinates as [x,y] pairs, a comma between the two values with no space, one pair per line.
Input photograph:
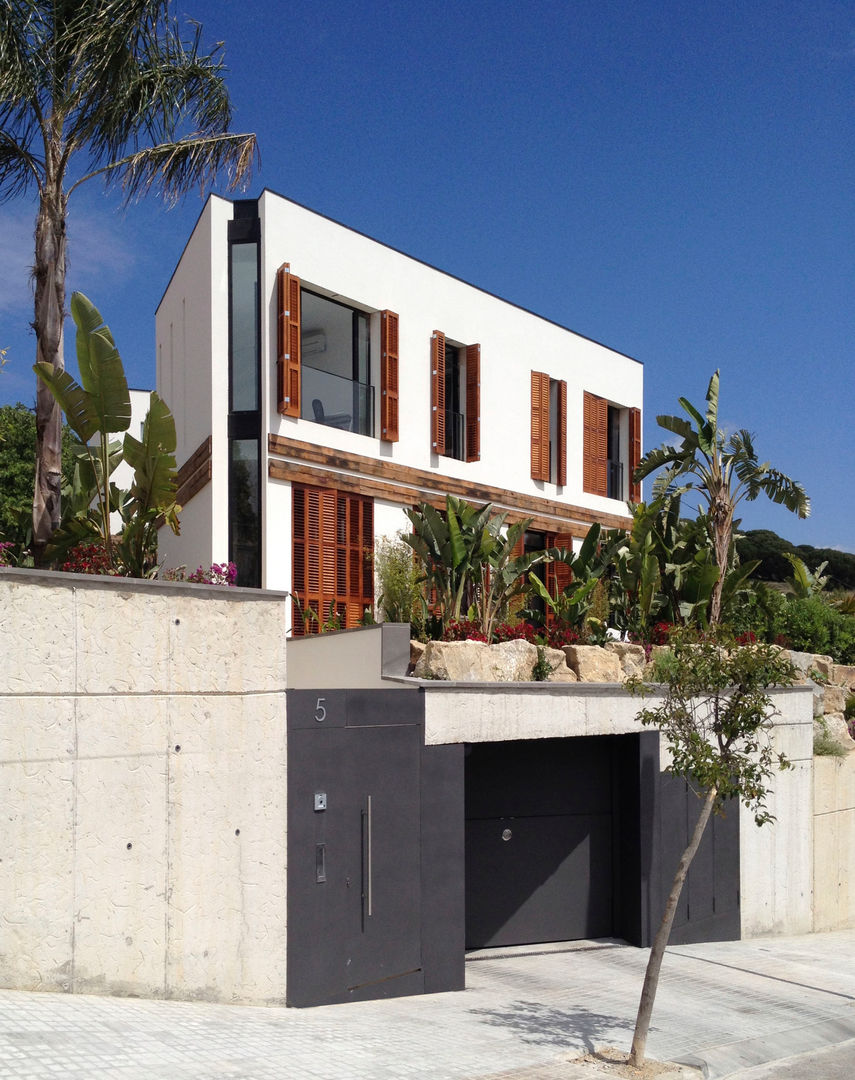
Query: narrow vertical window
[539,426]
[473,402]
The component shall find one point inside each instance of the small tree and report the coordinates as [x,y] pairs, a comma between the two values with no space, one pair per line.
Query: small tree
[715,717]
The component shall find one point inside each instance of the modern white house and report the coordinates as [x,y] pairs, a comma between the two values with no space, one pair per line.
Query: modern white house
[321,381]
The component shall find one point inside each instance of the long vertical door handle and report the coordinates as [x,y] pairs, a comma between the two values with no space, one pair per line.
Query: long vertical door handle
[370,869]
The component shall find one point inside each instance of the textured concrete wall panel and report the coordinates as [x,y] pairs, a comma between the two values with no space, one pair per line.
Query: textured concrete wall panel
[144,847]
[834,843]
[214,652]
[37,794]
[120,875]
[37,628]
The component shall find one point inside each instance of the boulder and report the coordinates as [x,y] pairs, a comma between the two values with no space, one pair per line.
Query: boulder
[805,662]
[844,675]
[558,662]
[632,657]
[473,661]
[835,725]
[416,650]
[833,698]
[591,663]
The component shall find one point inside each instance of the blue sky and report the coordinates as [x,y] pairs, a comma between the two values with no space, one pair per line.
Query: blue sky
[673,179]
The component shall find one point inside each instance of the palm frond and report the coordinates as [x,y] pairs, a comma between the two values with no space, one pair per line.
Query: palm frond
[789,493]
[174,168]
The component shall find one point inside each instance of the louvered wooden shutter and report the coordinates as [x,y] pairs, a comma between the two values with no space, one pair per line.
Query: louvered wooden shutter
[539,426]
[473,402]
[561,435]
[595,445]
[634,453]
[388,376]
[333,545]
[288,342]
[437,392]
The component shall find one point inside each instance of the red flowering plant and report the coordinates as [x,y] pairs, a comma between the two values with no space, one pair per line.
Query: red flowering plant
[91,558]
[463,630]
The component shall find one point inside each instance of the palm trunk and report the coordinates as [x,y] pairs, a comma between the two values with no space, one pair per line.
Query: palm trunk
[657,953]
[722,526]
[49,273]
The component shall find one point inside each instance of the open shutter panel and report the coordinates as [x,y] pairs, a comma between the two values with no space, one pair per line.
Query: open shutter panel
[561,575]
[473,402]
[389,376]
[561,434]
[288,342]
[595,449]
[437,392]
[539,426]
[634,453]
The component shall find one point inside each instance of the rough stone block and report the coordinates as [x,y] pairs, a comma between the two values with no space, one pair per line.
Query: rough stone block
[591,663]
[473,661]
[632,657]
[833,698]
[844,675]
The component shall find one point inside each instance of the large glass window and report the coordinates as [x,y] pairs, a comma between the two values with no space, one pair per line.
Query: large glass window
[244,327]
[336,364]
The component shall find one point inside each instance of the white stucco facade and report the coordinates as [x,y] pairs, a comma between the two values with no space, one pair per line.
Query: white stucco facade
[336,262]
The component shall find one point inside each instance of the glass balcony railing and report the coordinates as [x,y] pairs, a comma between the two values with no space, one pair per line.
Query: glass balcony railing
[615,480]
[337,402]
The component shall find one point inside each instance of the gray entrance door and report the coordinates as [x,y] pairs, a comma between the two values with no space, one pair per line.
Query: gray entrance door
[538,841]
[354,890]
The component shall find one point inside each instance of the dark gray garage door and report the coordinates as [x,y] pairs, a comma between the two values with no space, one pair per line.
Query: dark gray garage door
[539,839]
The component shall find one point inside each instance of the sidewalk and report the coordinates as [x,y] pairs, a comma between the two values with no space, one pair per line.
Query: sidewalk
[721,1007]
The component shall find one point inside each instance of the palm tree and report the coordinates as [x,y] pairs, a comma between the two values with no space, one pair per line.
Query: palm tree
[105,88]
[724,471]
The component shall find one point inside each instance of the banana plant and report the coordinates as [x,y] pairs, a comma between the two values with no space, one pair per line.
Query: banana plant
[100,407]
[503,574]
[805,582]
[450,549]
[571,605]
[96,408]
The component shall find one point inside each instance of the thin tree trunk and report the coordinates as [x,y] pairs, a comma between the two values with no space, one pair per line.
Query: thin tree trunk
[657,953]
[49,273]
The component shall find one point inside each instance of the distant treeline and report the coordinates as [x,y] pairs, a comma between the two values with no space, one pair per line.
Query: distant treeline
[769,548]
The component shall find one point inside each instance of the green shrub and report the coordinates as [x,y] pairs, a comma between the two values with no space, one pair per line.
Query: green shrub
[810,625]
[400,594]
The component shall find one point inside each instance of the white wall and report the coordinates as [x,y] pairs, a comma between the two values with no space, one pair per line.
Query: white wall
[142,776]
[513,342]
[192,334]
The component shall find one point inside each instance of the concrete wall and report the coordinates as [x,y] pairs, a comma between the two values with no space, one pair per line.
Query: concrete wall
[142,779]
[834,843]
[776,867]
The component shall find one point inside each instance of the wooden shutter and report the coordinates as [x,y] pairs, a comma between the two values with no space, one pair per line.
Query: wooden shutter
[437,392]
[288,342]
[333,545]
[561,435]
[539,426]
[634,453]
[595,445]
[388,376]
[558,574]
[473,402]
